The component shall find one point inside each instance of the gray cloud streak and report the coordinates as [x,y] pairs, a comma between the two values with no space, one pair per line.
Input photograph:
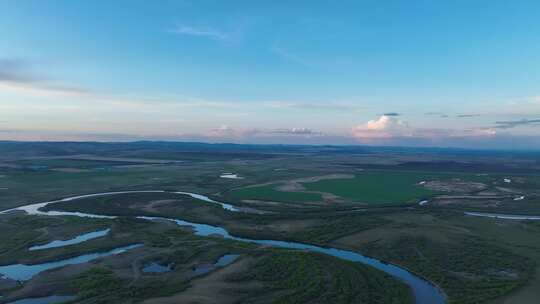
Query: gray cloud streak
[15,73]
[440,114]
[508,124]
[15,70]
[467,115]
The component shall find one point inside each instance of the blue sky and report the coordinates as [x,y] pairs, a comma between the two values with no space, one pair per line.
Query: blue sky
[446,73]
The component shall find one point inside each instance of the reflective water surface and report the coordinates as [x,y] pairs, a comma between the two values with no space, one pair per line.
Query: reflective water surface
[44,300]
[23,272]
[154,267]
[423,291]
[76,240]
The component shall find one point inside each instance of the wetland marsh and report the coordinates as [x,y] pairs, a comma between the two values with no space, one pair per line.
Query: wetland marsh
[326,212]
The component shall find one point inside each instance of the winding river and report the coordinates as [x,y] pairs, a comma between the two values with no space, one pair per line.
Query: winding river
[424,292]
[23,272]
[504,216]
[76,240]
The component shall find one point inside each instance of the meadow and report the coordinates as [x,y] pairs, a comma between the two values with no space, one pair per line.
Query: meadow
[269,193]
[292,195]
[377,187]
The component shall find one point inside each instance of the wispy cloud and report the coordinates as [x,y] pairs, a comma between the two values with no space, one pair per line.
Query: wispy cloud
[43,89]
[225,131]
[391,114]
[291,56]
[535,100]
[440,114]
[319,106]
[509,124]
[467,115]
[16,75]
[295,131]
[15,70]
[444,115]
[210,33]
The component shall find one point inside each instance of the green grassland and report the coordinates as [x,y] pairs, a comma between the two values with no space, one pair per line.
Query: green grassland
[474,260]
[387,186]
[125,204]
[318,227]
[269,193]
[70,163]
[18,232]
[458,258]
[375,187]
[282,276]
[19,186]
[302,277]
[457,262]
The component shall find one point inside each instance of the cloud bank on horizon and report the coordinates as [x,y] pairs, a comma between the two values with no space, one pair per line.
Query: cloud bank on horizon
[251,72]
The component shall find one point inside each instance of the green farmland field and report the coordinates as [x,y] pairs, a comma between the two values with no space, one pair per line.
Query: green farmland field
[268,193]
[375,187]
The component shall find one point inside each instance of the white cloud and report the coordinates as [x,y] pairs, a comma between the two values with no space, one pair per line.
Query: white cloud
[199,32]
[388,127]
[386,122]
[224,131]
[383,127]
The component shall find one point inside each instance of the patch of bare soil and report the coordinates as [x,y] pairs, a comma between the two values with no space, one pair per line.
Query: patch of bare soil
[489,192]
[153,205]
[214,288]
[322,177]
[70,170]
[262,203]
[470,201]
[386,235]
[286,184]
[472,197]
[292,225]
[507,190]
[106,158]
[296,186]
[529,294]
[6,284]
[454,186]
[258,205]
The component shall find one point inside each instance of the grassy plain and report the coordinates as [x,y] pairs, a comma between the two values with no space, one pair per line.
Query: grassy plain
[469,265]
[376,187]
[300,277]
[474,260]
[269,193]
